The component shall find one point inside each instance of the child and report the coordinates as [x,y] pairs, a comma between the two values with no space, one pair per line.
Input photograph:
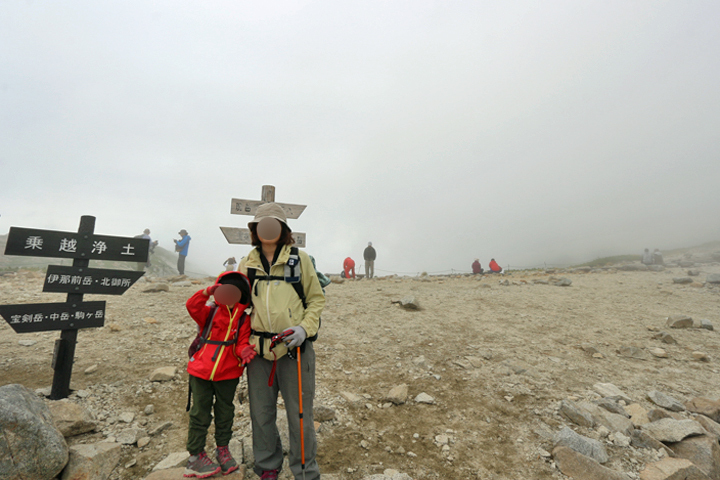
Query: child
[215,369]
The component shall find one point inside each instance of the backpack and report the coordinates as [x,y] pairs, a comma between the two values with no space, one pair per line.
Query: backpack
[292,276]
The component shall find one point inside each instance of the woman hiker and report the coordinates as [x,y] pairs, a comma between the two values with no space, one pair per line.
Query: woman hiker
[280,277]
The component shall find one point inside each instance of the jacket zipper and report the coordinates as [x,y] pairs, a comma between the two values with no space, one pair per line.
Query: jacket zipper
[222,348]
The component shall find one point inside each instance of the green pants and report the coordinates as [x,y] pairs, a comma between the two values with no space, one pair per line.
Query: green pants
[203,392]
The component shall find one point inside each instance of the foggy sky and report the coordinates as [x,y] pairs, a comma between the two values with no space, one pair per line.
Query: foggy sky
[531,132]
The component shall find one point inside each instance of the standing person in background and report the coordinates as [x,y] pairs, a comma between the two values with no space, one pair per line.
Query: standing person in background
[181,246]
[279,274]
[647,258]
[151,248]
[349,268]
[230,264]
[476,267]
[369,256]
[494,267]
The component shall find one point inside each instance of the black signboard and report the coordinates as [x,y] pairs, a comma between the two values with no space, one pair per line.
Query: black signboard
[41,317]
[32,242]
[89,280]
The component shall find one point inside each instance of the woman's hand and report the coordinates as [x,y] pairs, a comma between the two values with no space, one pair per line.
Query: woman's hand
[296,338]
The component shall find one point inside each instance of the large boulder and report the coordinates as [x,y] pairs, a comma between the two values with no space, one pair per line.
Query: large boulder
[705,406]
[30,444]
[576,465]
[583,445]
[671,430]
[672,469]
[713,278]
[703,451]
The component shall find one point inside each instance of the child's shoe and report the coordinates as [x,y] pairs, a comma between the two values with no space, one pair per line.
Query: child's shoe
[226,461]
[200,466]
[269,475]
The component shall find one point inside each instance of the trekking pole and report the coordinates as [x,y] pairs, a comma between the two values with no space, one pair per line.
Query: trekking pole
[302,429]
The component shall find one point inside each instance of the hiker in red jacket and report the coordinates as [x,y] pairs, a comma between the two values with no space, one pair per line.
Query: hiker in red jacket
[494,267]
[349,267]
[215,367]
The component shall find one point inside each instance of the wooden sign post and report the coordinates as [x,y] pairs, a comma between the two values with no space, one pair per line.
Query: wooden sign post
[241,236]
[82,246]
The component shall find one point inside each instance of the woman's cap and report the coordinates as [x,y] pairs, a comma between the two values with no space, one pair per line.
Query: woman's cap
[270,210]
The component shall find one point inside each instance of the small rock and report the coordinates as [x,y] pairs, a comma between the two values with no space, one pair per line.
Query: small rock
[149,409]
[610,390]
[160,428]
[665,338]
[679,321]
[682,280]
[321,413]
[586,446]
[157,287]
[424,398]
[701,356]
[130,436]
[173,460]
[705,406]
[27,343]
[714,278]
[352,398]
[398,394]
[632,352]
[126,417]
[658,352]
[706,324]
[163,374]
[91,369]
[143,442]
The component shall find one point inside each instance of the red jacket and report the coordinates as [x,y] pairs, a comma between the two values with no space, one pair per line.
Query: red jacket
[494,266]
[227,320]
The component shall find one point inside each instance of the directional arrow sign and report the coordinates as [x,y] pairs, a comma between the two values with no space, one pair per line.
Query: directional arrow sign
[89,280]
[241,236]
[41,317]
[249,207]
[32,242]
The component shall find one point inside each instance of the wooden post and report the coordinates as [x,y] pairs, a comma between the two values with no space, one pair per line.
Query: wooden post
[268,194]
[65,348]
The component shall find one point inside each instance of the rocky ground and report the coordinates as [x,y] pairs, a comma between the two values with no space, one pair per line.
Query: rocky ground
[487,362]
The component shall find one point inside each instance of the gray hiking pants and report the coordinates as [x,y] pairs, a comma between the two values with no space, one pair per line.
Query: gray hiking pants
[267,448]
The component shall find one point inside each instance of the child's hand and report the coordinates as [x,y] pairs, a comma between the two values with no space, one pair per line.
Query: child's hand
[247,354]
[211,289]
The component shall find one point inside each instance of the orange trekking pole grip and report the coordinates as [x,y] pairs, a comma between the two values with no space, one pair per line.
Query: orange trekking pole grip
[302,430]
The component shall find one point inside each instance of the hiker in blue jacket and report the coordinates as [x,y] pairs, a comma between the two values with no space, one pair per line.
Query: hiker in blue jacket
[181,246]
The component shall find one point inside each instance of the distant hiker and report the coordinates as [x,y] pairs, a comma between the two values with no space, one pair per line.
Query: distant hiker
[151,247]
[290,307]
[230,264]
[647,258]
[349,268]
[476,268]
[494,267]
[215,367]
[369,256]
[181,246]
[657,257]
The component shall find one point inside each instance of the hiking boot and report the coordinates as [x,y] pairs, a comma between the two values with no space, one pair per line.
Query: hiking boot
[200,466]
[226,461]
[269,475]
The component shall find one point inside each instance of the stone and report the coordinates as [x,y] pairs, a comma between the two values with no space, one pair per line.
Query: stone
[610,390]
[398,394]
[583,445]
[158,429]
[671,430]
[163,374]
[713,278]
[130,436]
[682,280]
[640,439]
[665,338]
[611,406]
[560,282]
[570,411]
[613,421]
[410,303]
[126,417]
[25,342]
[672,469]
[656,268]
[638,415]
[706,324]
[352,398]
[580,467]
[177,474]
[679,321]
[619,439]
[91,369]
[321,413]
[665,401]
[711,426]
[149,409]
[700,356]
[173,460]
[156,288]
[424,398]
[143,442]
[705,406]
[92,461]
[693,273]
[658,352]
[26,426]
[632,352]
[658,414]
[70,418]
[703,451]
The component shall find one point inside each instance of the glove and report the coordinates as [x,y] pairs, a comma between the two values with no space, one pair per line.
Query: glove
[296,338]
[211,289]
[247,354]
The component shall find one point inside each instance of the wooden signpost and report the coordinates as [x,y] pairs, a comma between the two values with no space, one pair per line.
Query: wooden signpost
[82,246]
[241,236]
